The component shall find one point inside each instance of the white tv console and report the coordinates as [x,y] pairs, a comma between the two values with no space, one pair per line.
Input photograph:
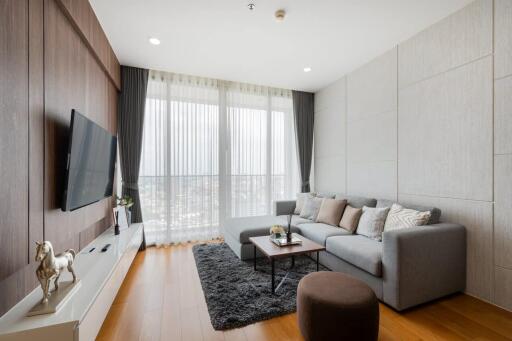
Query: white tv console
[81,317]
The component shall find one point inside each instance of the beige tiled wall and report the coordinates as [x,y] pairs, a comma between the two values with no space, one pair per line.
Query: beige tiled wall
[463,37]
[330,138]
[445,134]
[372,128]
[503,153]
[430,122]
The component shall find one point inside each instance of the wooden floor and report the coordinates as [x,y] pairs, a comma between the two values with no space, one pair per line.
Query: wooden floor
[161,299]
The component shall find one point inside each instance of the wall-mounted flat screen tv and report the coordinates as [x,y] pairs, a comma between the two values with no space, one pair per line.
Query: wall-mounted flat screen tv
[90,163]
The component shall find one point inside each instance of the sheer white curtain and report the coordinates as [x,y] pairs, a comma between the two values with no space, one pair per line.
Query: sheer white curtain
[212,150]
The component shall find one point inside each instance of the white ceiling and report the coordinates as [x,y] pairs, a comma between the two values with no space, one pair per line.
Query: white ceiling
[223,39]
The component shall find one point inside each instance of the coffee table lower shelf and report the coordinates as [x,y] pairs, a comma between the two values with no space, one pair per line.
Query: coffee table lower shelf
[273,251]
[272,261]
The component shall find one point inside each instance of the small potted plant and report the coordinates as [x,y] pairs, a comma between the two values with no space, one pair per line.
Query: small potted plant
[277,231]
[127,202]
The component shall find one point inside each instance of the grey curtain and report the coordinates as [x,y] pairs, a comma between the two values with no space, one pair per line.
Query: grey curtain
[132,100]
[303,111]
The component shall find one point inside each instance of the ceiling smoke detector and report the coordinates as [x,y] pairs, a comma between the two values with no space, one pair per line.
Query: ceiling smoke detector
[280,15]
[251,6]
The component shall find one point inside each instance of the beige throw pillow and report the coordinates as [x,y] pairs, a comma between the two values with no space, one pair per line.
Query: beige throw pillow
[400,217]
[331,211]
[301,199]
[350,218]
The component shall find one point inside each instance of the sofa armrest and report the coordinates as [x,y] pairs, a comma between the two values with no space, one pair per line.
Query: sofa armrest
[284,207]
[423,263]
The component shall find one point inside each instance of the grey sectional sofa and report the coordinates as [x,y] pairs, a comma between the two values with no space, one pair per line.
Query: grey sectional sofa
[409,267]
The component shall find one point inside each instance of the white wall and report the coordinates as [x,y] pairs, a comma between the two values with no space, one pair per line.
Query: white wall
[430,122]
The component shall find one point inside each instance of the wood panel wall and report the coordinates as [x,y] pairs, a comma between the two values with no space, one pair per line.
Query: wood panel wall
[54,57]
[14,132]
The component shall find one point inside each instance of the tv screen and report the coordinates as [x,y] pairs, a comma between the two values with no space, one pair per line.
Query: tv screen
[90,163]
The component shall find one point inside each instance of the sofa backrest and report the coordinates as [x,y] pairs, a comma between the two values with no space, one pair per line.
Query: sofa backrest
[435,212]
[356,201]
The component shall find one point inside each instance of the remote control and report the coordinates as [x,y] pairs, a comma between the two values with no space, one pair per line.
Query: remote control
[91,250]
[105,248]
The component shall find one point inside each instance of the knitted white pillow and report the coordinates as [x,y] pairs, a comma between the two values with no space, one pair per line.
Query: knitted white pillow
[371,223]
[311,208]
[301,199]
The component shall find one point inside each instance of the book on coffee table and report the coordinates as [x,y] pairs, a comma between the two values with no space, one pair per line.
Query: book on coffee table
[282,241]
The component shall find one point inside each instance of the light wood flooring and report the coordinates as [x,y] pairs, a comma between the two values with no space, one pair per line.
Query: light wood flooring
[161,299]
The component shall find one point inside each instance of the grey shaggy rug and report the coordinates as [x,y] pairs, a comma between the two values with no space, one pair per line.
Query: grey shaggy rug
[236,295]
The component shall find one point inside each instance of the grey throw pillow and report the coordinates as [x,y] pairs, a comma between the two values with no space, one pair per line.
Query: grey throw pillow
[301,199]
[371,223]
[311,208]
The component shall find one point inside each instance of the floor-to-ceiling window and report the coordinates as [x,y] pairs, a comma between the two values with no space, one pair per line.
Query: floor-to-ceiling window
[212,150]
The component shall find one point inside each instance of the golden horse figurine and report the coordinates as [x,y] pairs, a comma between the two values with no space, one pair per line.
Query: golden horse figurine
[51,266]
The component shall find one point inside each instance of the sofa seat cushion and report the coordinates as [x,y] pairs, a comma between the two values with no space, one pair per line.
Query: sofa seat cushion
[360,251]
[241,229]
[319,232]
[296,220]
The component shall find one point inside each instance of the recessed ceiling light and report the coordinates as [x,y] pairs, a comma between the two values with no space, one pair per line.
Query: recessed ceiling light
[307,69]
[154,41]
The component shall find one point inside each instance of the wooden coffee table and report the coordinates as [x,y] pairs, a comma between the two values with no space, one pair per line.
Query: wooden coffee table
[273,251]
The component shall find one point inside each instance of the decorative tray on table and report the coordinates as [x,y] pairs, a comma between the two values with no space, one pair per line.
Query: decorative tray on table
[281,241]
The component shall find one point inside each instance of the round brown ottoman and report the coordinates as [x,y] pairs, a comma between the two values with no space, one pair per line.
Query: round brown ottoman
[335,306]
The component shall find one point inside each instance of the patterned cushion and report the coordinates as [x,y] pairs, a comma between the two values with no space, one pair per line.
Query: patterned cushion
[400,217]
[301,199]
[371,223]
[435,213]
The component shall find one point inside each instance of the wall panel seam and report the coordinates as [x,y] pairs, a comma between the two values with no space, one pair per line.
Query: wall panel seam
[28,132]
[44,117]
[397,121]
[445,197]
[330,156]
[503,267]
[493,253]
[372,115]
[501,77]
[373,161]
[346,135]
[444,72]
